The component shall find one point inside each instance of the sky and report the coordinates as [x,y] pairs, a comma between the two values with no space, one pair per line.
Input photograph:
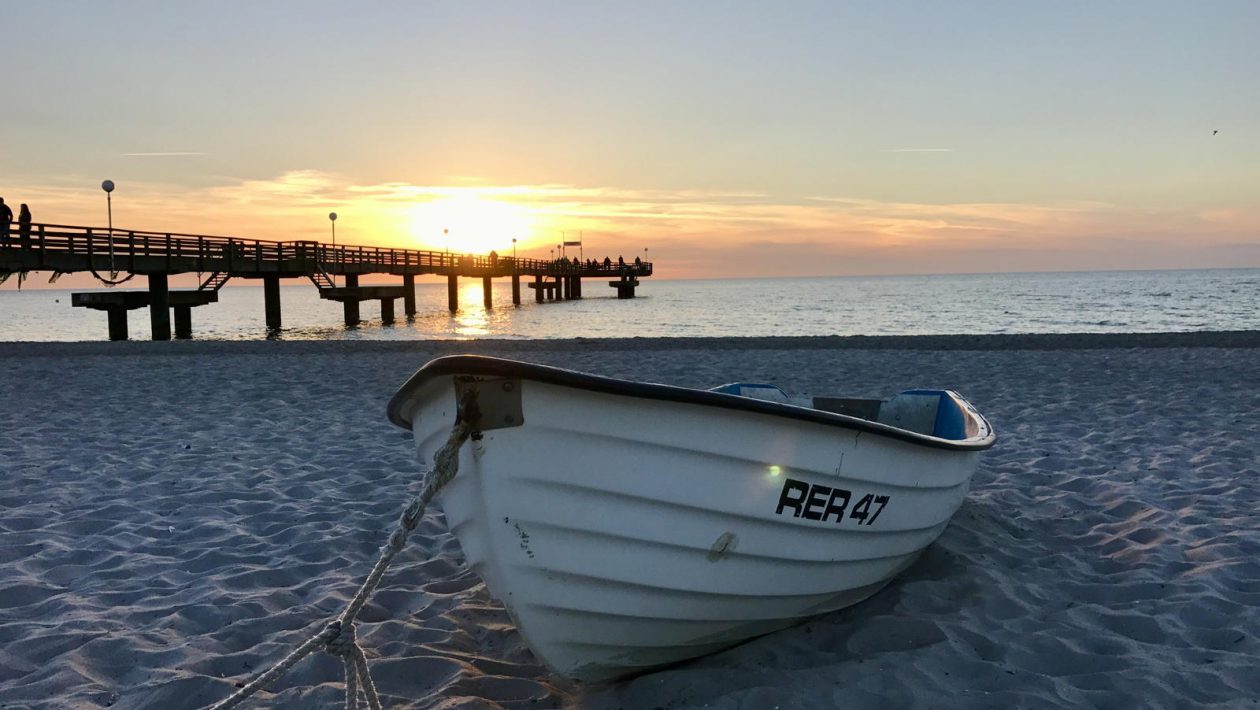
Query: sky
[729,139]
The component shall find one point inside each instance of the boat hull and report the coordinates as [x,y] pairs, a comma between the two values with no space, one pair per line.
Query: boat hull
[624,533]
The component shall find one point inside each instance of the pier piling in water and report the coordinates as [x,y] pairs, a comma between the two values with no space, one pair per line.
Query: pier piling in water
[350,306]
[409,294]
[160,306]
[271,299]
[118,323]
[183,322]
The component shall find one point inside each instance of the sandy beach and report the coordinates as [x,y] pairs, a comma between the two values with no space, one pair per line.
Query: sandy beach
[177,516]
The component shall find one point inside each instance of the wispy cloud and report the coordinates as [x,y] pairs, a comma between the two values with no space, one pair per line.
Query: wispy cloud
[176,154]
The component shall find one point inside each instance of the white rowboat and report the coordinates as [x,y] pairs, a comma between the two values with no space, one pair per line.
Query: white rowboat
[627,525]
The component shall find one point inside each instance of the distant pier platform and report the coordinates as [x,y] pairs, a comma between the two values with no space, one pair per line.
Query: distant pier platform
[117,303]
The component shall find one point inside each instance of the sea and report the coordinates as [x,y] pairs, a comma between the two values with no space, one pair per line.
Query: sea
[1068,302]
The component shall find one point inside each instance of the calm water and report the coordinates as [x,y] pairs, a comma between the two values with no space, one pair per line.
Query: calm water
[1098,302]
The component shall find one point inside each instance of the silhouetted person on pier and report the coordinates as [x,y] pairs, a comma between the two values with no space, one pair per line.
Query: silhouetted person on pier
[6,216]
[638,261]
[607,263]
[620,261]
[24,225]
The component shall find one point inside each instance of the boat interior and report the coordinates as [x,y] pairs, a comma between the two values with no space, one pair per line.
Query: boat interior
[923,411]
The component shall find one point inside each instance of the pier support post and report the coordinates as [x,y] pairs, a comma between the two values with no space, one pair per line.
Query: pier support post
[487,291]
[117,303]
[387,310]
[409,294]
[117,323]
[183,322]
[564,287]
[625,285]
[538,289]
[452,292]
[271,300]
[516,289]
[160,306]
[350,307]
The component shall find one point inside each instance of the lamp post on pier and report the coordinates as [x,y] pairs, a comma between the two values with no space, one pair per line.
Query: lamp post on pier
[332,220]
[108,187]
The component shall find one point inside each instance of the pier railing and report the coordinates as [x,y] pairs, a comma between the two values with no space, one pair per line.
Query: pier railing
[69,248]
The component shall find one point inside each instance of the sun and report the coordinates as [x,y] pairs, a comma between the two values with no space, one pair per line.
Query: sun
[469,224]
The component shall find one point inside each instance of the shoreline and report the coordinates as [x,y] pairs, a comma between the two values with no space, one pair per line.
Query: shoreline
[1245,339]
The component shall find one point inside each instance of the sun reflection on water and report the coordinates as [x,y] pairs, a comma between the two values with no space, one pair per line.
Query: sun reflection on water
[472,319]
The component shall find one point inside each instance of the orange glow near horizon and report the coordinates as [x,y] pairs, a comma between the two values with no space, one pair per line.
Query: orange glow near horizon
[467,223]
[691,233]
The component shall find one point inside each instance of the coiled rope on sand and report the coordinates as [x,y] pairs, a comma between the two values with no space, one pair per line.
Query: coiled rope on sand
[338,638]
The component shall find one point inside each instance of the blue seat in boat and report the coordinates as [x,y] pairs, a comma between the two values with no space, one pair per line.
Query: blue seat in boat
[949,423]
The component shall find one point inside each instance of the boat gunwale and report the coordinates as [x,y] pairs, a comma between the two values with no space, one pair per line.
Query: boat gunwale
[485,366]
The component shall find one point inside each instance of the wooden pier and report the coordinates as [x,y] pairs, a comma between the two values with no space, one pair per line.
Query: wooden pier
[335,270]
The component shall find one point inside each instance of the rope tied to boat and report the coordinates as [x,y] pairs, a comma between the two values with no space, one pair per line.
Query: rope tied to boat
[338,638]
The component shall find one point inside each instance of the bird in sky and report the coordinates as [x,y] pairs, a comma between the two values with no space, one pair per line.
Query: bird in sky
[1215,132]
